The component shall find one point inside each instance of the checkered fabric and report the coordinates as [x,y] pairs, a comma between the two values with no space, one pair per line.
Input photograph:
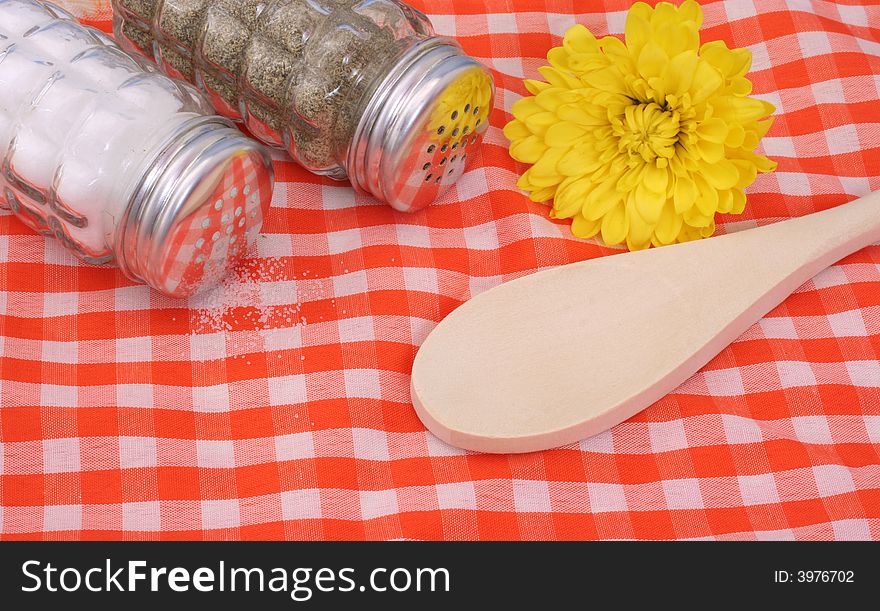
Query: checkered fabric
[280,408]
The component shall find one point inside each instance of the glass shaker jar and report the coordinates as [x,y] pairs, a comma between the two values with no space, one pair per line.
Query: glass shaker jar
[357,89]
[118,161]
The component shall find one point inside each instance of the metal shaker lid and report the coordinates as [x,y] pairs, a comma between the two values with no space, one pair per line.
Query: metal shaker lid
[198,211]
[421,125]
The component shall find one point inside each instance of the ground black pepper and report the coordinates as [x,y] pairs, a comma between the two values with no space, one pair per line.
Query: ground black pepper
[266,117]
[248,11]
[143,40]
[181,20]
[218,84]
[290,24]
[224,41]
[301,68]
[315,151]
[144,9]
[267,69]
[177,61]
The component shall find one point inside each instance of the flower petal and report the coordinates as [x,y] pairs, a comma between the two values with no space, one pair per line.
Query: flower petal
[558,78]
[685,194]
[707,80]
[733,109]
[695,218]
[584,228]
[535,87]
[539,122]
[640,231]
[669,225]
[579,39]
[735,136]
[740,86]
[720,175]
[691,11]
[652,60]
[600,200]
[739,201]
[648,203]
[543,195]
[547,164]
[747,172]
[631,177]
[725,201]
[710,151]
[570,196]
[713,130]
[583,113]
[564,134]
[638,27]
[578,161]
[528,150]
[608,79]
[516,130]
[655,178]
[707,200]
[524,108]
[615,225]
[679,73]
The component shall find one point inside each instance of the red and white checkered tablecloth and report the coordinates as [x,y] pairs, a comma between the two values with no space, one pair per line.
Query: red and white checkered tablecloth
[278,406]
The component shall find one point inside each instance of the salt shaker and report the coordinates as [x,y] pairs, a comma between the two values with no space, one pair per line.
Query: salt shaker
[361,89]
[119,161]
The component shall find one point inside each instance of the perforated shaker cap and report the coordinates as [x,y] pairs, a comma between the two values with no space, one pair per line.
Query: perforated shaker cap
[422,125]
[198,211]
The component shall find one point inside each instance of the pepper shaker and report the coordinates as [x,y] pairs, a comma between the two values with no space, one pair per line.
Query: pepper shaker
[361,89]
[118,161]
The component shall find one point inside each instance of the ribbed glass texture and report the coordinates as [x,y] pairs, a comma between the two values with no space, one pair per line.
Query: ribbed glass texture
[296,72]
[80,123]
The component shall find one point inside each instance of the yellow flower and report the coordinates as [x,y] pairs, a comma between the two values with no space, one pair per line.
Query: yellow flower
[643,141]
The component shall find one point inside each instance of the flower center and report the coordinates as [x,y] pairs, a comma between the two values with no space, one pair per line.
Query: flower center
[648,131]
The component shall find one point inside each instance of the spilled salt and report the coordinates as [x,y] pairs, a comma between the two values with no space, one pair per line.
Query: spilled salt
[255,305]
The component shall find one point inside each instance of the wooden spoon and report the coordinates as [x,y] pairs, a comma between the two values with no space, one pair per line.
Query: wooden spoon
[563,354]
